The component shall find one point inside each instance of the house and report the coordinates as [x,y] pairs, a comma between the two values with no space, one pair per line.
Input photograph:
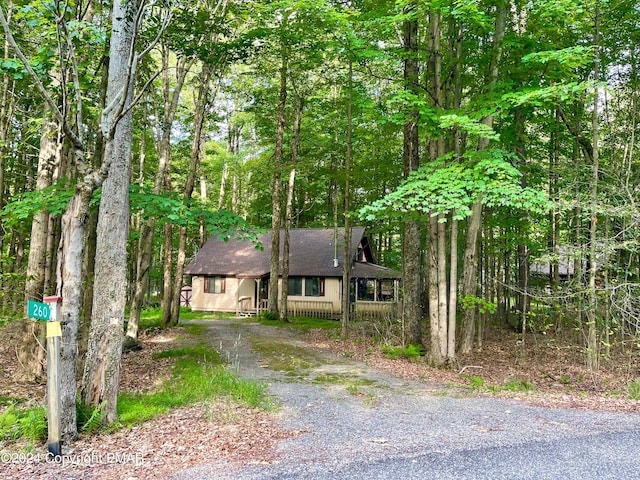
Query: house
[233,276]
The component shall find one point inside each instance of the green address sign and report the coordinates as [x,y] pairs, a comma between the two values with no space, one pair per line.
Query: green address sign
[38,310]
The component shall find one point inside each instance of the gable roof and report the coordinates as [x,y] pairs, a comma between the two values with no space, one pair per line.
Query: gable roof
[312,252]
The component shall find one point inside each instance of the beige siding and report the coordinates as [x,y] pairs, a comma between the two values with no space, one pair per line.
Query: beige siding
[238,288]
[214,302]
[332,293]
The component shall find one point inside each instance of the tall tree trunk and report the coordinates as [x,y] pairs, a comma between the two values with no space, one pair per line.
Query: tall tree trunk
[102,365]
[88,267]
[167,275]
[411,311]
[6,113]
[288,215]
[346,264]
[436,356]
[524,298]
[70,258]
[453,292]
[274,269]
[29,351]
[284,307]
[474,224]
[592,312]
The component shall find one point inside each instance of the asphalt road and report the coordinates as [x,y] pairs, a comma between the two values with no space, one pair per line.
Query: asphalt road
[366,425]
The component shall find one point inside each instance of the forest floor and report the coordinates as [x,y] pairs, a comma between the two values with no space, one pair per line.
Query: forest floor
[544,370]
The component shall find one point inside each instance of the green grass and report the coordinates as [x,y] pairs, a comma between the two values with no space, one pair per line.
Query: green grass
[300,323]
[633,390]
[151,318]
[478,384]
[198,375]
[410,352]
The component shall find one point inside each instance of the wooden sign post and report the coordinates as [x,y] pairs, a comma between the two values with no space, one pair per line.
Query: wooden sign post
[54,334]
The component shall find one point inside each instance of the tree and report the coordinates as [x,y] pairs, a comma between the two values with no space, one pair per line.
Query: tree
[101,375]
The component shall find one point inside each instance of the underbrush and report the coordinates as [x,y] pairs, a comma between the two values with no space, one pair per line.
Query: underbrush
[198,374]
[29,424]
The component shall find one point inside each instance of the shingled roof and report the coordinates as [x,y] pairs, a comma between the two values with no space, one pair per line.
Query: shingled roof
[312,252]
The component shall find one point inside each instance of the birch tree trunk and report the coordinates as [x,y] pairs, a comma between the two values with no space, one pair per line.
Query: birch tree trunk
[284,307]
[436,355]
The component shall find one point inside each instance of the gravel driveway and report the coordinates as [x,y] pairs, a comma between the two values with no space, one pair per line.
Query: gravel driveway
[359,423]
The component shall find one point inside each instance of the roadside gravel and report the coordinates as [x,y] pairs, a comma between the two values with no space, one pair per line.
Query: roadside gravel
[355,422]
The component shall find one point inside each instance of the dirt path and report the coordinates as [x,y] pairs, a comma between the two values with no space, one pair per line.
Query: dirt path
[355,422]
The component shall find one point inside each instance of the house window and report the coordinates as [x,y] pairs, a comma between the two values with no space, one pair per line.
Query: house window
[366,289]
[385,290]
[295,286]
[314,287]
[215,284]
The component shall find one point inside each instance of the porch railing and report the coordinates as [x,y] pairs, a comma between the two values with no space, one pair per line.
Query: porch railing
[311,308]
[367,310]
[363,310]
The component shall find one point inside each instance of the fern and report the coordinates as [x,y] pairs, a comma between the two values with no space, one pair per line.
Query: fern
[91,420]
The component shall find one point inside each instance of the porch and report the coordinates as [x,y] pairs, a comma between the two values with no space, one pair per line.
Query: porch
[362,309]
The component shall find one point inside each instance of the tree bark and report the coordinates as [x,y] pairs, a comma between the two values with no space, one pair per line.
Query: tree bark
[346,264]
[102,366]
[436,355]
[592,312]
[474,224]
[29,351]
[411,311]
[274,270]
[288,215]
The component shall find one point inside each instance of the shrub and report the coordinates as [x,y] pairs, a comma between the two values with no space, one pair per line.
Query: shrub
[410,352]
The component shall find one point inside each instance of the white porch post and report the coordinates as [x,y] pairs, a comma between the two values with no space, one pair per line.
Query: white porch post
[238,281]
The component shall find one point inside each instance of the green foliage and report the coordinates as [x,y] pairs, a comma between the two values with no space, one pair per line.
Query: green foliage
[30,424]
[268,316]
[517,386]
[410,352]
[90,419]
[483,306]
[53,199]
[441,188]
[633,390]
[548,96]
[198,375]
[196,352]
[165,207]
[175,210]
[476,382]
